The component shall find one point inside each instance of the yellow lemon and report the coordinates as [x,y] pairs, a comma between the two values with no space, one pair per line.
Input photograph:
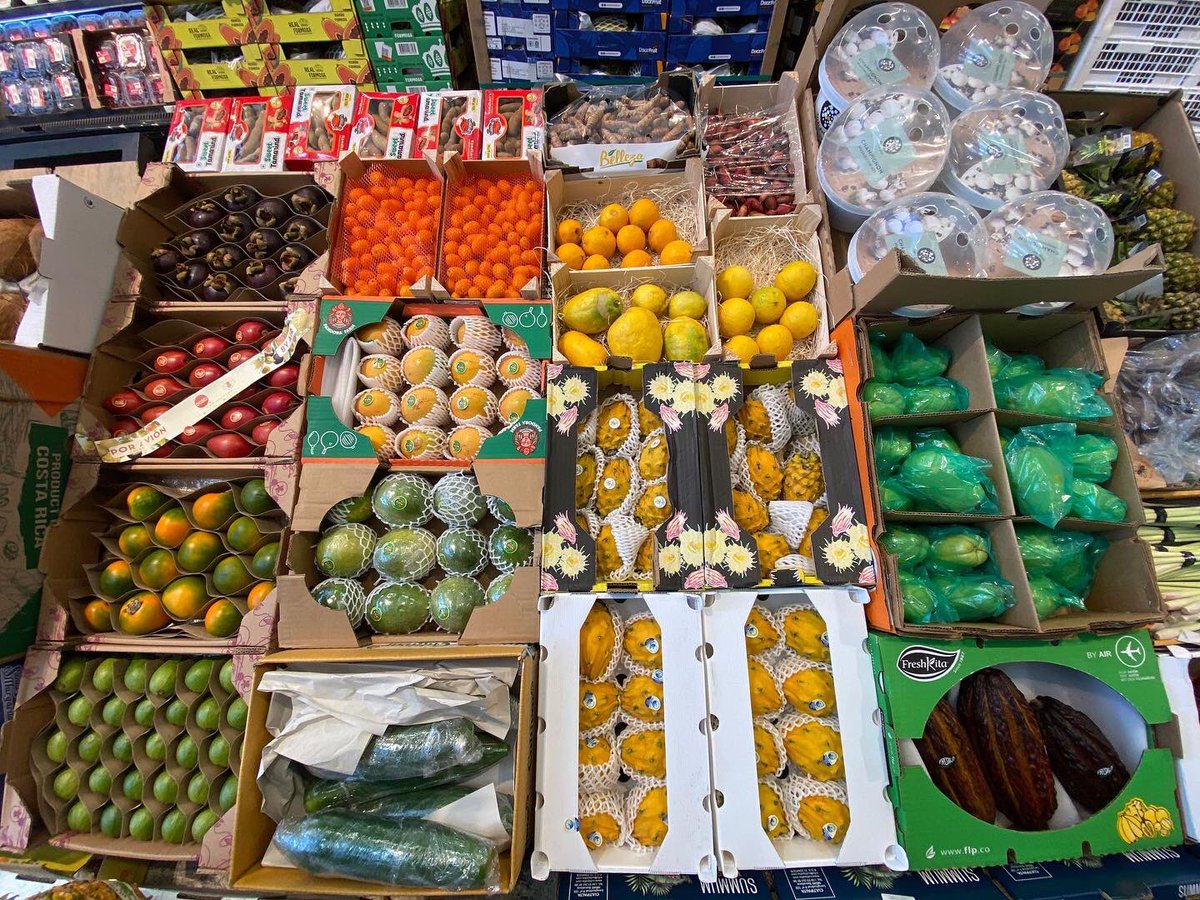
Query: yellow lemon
[572,255]
[636,259]
[631,238]
[744,348]
[735,316]
[661,233]
[768,303]
[649,296]
[613,217]
[775,340]
[800,319]
[676,253]
[596,261]
[636,334]
[599,241]
[643,214]
[570,231]
[687,303]
[796,279]
[734,281]
[581,350]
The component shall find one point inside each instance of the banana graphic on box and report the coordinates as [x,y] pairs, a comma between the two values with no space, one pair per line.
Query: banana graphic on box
[1137,821]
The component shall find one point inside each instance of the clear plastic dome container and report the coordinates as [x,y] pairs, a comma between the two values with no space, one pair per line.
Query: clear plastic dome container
[889,43]
[939,232]
[1005,148]
[889,143]
[1000,45]
[1046,235]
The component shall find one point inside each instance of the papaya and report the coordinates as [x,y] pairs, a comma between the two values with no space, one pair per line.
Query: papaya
[581,350]
[636,334]
[960,551]
[592,311]
[685,340]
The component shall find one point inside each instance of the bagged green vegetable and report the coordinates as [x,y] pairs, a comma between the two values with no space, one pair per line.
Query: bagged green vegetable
[409,853]
[907,545]
[892,445]
[935,437]
[893,497]
[422,804]
[1039,465]
[1020,365]
[405,751]
[1097,504]
[1093,456]
[1061,393]
[915,362]
[1050,597]
[939,480]
[957,549]
[1006,435]
[882,399]
[880,362]
[935,396]
[919,598]
[973,598]
[1068,557]
[1078,572]
[997,359]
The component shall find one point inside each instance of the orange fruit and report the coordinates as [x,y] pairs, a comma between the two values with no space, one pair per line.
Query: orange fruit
[419,402]
[775,340]
[374,403]
[643,213]
[185,597]
[613,217]
[636,258]
[97,615]
[570,231]
[676,253]
[631,238]
[572,255]
[375,434]
[744,348]
[222,619]
[212,510]
[142,613]
[172,527]
[259,593]
[142,501]
[512,405]
[660,234]
[464,442]
[596,261]
[469,402]
[599,241]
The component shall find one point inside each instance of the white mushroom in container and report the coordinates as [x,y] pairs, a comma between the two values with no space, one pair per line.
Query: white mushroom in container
[1047,235]
[940,233]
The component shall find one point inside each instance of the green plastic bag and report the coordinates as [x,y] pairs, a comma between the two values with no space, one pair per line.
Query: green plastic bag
[939,480]
[1021,365]
[893,497]
[892,445]
[957,549]
[1039,465]
[973,598]
[1050,597]
[1068,557]
[997,359]
[1078,572]
[915,362]
[1097,504]
[880,362]
[882,399]
[907,545]
[920,599]
[1061,393]
[935,437]
[935,396]
[1093,456]
[1006,435]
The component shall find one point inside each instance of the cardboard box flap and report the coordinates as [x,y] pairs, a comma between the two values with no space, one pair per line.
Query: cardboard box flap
[16,745]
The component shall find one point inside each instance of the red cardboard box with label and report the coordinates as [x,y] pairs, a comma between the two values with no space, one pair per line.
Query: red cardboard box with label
[513,124]
[384,125]
[196,138]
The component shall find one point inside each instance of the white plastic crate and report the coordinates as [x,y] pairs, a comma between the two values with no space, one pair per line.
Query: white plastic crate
[1143,67]
[1164,21]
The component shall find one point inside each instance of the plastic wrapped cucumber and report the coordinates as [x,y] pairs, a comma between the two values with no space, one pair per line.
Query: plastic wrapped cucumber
[409,751]
[408,853]
[422,804]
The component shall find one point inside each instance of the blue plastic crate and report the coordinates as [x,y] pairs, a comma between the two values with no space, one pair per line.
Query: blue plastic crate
[692,49]
[647,68]
[569,19]
[631,7]
[683,24]
[715,9]
[625,46]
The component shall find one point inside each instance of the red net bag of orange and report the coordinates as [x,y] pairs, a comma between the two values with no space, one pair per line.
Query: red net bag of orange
[492,239]
[387,235]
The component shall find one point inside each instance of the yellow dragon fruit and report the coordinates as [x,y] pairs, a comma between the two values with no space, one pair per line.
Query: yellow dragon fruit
[597,642]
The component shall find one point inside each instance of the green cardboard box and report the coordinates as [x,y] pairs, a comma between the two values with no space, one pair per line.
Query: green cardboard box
[1113,679]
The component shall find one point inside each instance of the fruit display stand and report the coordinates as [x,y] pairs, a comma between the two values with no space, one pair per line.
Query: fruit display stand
[626,663]
[133,756]
[251,870]
[1063,758]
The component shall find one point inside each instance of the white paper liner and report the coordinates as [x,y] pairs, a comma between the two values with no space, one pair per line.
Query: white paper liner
[391,378]
[773,621]
[645,662]
[436,417]
[790,664]
[820,652]
[597,777]
[475,333]
[627,735]
[461,417]
[530,375]
[392,414]
[391,341]
[384,451]
[611,802]
[485,375]
[789,721]
[439,373]
[522,394]
[659,508]
[585,434]
[604,424]
[614,660]
[776,787]
[595,453]
[656,440]
[607,503]
[768,726]
[795,788]
[427,331]
[433,449]
[790,519]
[639,788]
[455,436]
[646,712]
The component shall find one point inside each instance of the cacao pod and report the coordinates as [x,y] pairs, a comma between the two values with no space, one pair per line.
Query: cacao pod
[1081,756]
[1005,733]
[952,764]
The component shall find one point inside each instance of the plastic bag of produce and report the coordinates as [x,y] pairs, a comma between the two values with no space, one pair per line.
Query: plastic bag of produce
[1090,501]
[937,479]
[408,853]
[422,804]
[973,598]
[880,361]
[935,437]
[908,545]
[1078,571]
[1093,457]
[882,399]
[1050,597]
[920,599]
[1068,557]
[1020,365]
[1039,465]
[1062,393]
[892,445]
[1113,153]
[915,362]
[997,359]
[892,496]
[957,549]
[409,751]
[936,395]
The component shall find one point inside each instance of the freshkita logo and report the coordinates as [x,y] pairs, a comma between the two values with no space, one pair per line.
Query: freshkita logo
[925,663]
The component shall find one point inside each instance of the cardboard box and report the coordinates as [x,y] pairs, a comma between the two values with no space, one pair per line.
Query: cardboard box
[152,67]
[415,60]
[690,49]
[587,885]
[337,24]
[1162,874]
[513,124]
[196,137]
[558,844]
[384,125]
[879,883]
[625,46]
[31,810]
[40,404]
[1112,679]
[258,133]
[425,16]
[254,829]
[228,30]
[451,121]
[741,841]
[196,76]
[352,67]
[321,118]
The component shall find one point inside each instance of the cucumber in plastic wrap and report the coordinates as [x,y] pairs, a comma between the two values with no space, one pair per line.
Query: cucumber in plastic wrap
[321,793]
[422,804]
[409,853]
[408,751]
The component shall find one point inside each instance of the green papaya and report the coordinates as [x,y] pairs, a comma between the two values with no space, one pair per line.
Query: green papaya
[961,551]
[907,545]
[592,311]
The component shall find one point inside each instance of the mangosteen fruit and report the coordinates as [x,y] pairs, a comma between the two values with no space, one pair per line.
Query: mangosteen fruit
[235,227]
[165,258]
[261,273]
[240,197]
[196,243]
[308,200]
[217,287]
[202,214]
[263,243]
[294,257]
[288,286]
[190,275]
[225,257]
[299,229]
[271,212]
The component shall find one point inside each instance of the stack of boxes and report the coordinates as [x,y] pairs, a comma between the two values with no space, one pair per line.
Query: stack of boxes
[742,45]
[616,38]
[423,45]
[212,54]
[311,48]
[520,46]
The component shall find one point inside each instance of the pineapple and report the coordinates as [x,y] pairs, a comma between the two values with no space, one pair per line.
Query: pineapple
[1162,195]
[1154,154]
[1173,228]
[1183,273]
